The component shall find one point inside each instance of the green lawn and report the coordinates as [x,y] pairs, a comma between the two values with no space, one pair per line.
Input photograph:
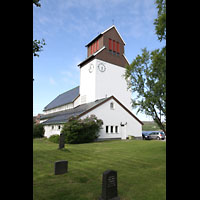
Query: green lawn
[140,166]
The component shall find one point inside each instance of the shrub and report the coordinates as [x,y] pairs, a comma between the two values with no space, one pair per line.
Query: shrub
[38,131]
[78,131]
[54,138]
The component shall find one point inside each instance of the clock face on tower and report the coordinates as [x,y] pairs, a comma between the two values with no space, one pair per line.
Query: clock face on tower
[101,67]
[91,68]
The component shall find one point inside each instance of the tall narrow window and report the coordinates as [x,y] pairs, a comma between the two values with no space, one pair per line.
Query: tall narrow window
[110,44]
[113,45]
[116,129]
[106,129]
[94,47]
[111,129]
[91,50]
[112,105]
[97,45]
[117,47]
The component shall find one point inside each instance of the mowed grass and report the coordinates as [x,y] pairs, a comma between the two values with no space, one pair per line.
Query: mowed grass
[140,166]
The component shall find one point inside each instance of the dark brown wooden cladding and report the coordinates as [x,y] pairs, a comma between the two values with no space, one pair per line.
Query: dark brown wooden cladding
[109,57]
[100,45]
[113,35]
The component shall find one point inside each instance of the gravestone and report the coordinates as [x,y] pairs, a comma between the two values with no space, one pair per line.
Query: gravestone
[62,141]
[61,167]
[109,186]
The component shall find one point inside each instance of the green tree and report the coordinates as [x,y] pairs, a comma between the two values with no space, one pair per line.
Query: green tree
[37,44]
[38,131]
[146,75]
[160,21]
[78,131]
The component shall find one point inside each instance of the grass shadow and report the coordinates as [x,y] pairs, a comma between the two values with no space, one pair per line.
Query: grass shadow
[64,149]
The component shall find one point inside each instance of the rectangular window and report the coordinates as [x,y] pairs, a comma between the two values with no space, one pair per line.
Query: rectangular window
[116,129]
[113,45]
[117,47]
[111,129]
[97,45]
[110,44]
[94,47]
[106,129]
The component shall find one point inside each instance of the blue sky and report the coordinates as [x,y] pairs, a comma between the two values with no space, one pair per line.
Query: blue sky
[68,25]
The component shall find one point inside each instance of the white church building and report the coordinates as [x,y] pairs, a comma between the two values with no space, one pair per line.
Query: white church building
[102,92]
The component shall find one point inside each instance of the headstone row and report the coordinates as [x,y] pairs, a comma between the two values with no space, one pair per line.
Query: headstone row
[109,178]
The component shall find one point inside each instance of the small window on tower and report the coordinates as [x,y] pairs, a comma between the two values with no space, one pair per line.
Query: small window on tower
[97,45]
[94,47]
[113,45]
[118,47]
[91,49]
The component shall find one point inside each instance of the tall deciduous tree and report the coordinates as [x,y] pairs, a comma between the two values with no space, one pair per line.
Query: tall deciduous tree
[146,75]
[37,44]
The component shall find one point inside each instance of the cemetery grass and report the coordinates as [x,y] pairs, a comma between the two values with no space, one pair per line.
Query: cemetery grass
[140,166]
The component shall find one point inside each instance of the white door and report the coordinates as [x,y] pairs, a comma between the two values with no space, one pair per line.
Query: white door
[123,132]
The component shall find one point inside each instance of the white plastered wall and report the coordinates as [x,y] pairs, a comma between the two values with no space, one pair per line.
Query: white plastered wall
[87,83]
[114,117]
[112,82]
[52,131]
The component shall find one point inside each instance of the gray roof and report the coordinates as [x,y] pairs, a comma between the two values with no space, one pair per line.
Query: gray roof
[64,98]
[63,116]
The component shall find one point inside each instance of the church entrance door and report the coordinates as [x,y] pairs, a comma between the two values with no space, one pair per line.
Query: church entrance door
[123,131]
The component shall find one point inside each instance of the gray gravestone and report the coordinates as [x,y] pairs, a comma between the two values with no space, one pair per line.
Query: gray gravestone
[61,167]
[109,186]
[62,141]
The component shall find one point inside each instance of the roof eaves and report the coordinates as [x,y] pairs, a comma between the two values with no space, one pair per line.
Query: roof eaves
[94,54]
[107,99]
[113,26]
[93,39]
[125,58]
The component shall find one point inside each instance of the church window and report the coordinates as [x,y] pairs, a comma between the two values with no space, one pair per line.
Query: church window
[59,127]
[113,45]
[110,44]
[94,47]
[97,45]
[116,129]
[52,127]
[112,105]
[91,49]
[107,129]
[111,129]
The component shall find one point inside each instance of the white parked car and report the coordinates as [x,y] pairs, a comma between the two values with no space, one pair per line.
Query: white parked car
[156,135]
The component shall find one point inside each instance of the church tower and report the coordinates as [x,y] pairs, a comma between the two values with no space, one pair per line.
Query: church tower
[102,72]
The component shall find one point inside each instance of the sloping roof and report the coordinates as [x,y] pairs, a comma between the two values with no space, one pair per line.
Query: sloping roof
[113,26]
[63,116]
[64,98]
[92,56]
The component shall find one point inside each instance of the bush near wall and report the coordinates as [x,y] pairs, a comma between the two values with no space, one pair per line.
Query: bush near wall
[38,131]
[78,131]
[54,138]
